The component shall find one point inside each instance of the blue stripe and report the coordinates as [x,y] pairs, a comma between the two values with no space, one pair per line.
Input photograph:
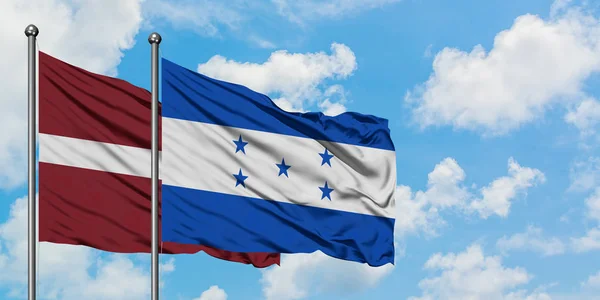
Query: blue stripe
[243,224]
[191,96]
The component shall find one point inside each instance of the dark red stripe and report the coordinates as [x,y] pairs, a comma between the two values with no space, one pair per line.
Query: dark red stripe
[79,104]
[109,212]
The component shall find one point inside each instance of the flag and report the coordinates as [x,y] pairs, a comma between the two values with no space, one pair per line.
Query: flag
[94,165]
[241,174]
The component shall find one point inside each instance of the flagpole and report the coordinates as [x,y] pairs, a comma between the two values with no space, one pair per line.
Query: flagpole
[31,32]
[154,39]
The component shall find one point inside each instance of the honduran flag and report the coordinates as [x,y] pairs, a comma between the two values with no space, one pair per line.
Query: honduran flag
[94,165]
[240,174]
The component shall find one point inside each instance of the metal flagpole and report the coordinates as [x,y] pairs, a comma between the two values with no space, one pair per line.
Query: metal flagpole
[154,40]
[31,32]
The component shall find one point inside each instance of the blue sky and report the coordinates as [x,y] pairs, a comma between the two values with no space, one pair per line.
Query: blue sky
[493,108]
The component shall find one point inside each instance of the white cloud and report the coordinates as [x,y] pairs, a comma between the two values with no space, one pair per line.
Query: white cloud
[593,282]
[168,266]
[302,275]
[427,53]
[286,105]
[472,275]
[532,240]
[533,65]
[70,31]
[331,109]
[585,175]
[301,11]
[215,18]
[443,185]
[415,214]
[118,278]
[445,190]
[213,293]
[296,77]
[592,204]
[524,295]
[420,211]
[261,42]
[586,116]
[589,242]
[333,104]
[559,6]
[202,16]
[67,271]
[498,195]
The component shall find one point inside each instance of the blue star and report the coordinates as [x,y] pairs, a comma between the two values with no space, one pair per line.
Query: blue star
[239,179]
[326,191]
[283,168]
[239,145]
[326,157]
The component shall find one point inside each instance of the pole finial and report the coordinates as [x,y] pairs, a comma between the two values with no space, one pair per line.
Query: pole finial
[31,30]
[154,38]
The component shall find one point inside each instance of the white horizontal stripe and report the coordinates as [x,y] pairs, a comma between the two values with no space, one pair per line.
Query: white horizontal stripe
[93,155]
[202,156]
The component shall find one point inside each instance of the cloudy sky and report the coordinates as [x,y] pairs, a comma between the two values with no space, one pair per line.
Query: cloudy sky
[493,106]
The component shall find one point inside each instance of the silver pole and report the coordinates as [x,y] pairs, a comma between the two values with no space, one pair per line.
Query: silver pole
[154,40]
[31,32]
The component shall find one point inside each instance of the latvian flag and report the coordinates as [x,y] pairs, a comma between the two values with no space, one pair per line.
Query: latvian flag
[94,165]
